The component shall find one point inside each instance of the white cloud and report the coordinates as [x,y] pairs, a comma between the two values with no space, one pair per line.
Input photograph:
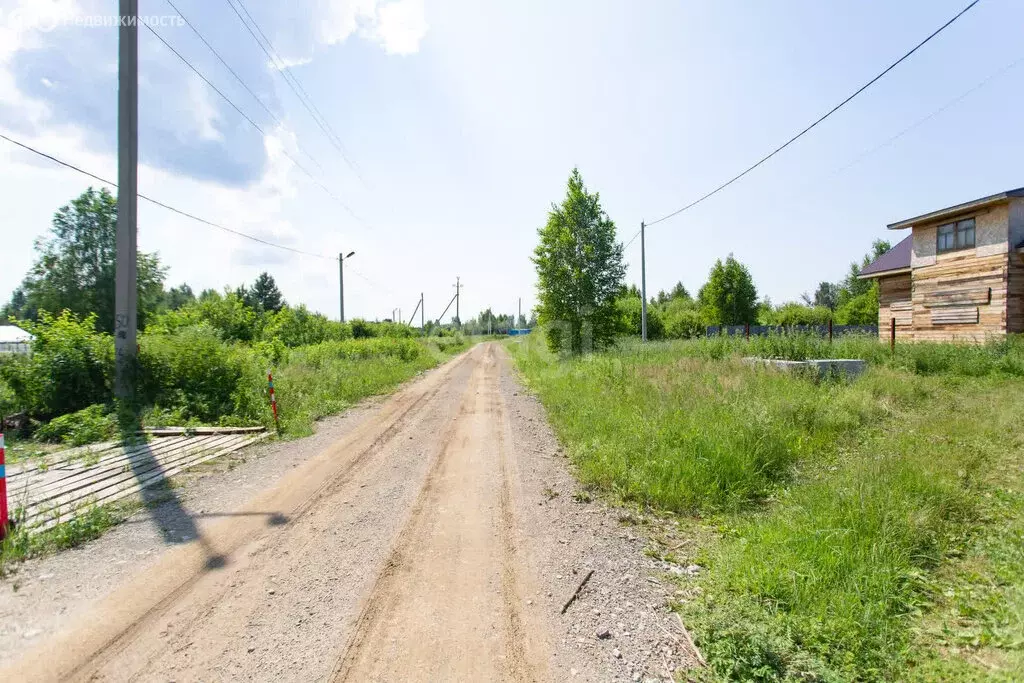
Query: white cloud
[289,62]
[203,110]
[400,26]
[341,18]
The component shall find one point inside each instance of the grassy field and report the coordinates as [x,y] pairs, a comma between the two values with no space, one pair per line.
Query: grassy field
[852,531]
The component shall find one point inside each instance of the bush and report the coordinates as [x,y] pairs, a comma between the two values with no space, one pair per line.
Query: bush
[630,313]
[683,320]
[203,377]
[792,314]
[227,315]
[299,327]
[860,310]
[71,366]
[88,425]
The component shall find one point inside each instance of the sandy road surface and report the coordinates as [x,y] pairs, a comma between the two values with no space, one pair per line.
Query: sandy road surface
[388,557]
[428,543]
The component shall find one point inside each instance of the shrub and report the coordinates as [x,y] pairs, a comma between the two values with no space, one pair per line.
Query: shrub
[227,315]
[792,314]
[70,367]
[204,377]
[362,329]
[683,320]
[297,326]
[859,310]
[88,425]
[629,309]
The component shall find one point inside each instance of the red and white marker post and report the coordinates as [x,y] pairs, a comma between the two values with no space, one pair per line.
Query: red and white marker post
[273,401]
[3,490]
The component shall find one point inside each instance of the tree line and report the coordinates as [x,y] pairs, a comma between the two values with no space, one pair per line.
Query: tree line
[74,272]
[585,303]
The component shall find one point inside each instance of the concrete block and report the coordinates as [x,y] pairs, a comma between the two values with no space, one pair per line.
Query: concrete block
[848,368]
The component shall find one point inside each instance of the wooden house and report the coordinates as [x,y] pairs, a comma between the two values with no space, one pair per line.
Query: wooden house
[958,275]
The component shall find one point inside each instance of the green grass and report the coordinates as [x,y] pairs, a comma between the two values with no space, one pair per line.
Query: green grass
[321,380]
[863,530]
[89,523]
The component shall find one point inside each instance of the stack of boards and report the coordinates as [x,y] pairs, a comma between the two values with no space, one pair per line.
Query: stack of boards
[45,494]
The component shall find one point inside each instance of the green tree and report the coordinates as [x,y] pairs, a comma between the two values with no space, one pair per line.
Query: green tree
[825,296]
[729,296]
[177,297]
[853,286]
[76,266]
[579,272]
[861,309]
[264,294]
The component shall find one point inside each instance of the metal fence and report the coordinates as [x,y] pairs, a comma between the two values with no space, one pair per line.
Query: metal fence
[765,330]
[15,347]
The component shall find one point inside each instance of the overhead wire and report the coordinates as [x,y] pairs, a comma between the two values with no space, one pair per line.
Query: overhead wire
[163,205]
[241,81]
[817,121]
[291,80]
[255,125]
[892,139]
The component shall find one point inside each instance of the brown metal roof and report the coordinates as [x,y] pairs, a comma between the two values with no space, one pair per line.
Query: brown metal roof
[894,260]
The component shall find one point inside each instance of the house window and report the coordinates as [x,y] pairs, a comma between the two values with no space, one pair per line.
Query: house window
[954,236]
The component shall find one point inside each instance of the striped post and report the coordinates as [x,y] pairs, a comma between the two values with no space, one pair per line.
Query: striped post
[3,490]
[273,401]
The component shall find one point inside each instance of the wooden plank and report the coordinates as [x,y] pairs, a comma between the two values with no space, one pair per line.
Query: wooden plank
[201,431]
[966,315]
[906,305]
[60,458]
[116,464]
[958,297]
[68,472]
[154,479]
[140,464]
[130,478]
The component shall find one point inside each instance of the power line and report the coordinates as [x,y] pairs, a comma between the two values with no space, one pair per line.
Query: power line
[292,81]
[161,204]
[819,120]
[255,125]
[238,78]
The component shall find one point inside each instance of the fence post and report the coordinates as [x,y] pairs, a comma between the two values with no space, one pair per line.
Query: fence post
[273,401]
[830,330]
[746,331]
[892,336]
[3,490]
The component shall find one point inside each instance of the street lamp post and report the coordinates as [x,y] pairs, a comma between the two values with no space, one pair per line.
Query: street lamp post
[341,281]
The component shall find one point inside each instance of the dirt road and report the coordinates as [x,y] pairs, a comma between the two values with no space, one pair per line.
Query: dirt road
[409,550]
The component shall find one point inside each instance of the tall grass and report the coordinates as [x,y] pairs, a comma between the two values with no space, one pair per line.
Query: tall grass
[326,378]
[1003,356]
[838,502]
[687,434]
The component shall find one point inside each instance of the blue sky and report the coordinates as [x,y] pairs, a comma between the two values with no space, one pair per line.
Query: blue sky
[464,119]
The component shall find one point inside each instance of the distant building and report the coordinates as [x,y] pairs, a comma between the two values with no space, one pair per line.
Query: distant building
[958,275]
[13,339]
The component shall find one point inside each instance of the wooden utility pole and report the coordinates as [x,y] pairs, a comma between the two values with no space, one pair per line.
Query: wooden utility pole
[126,275]
[643,283]
[423,325]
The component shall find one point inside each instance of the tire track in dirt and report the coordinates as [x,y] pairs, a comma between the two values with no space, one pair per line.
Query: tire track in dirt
[448,605]
[129,612]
